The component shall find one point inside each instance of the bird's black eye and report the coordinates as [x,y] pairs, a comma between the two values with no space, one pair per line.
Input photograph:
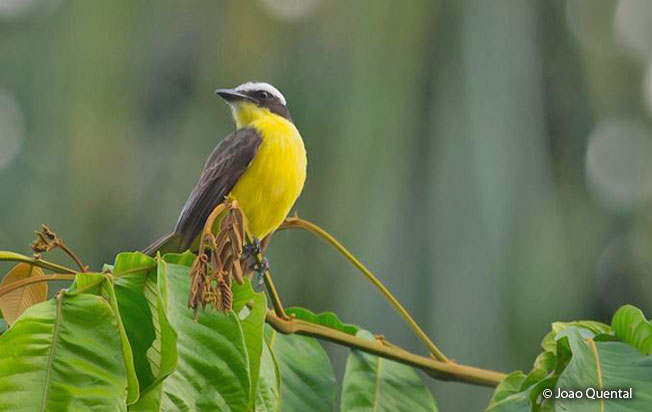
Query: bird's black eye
[262,95]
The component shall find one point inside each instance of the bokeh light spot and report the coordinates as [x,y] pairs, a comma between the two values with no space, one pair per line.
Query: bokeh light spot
[290,10]
[619,163]
[15,8]
[12,128]
[591,22]
[647,87]
[633,25]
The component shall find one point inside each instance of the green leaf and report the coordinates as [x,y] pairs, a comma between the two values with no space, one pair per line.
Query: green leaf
[545,361]
[328,319]
[372,383]
[100,284]
[64,354]
[184,259]
[133,385]
[144,315]
[608,365]
[574,352]
[307,378]
[519,392]
[549,342]
[509,386]
[516,402]
[630,326]
[268,392]
[252,321]
[510,398]
[213,367]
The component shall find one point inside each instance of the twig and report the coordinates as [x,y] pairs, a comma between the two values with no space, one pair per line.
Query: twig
[72,255]
[448,371]
[17,257]
[274,296]
[298,223]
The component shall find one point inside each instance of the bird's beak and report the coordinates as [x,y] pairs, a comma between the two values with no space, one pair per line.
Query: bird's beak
[233,96]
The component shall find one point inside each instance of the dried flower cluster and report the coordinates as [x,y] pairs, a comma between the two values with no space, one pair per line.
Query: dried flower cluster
[45,241]
[218,260]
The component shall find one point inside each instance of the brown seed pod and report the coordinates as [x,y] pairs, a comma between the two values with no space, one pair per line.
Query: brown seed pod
[227,296]
[219,260]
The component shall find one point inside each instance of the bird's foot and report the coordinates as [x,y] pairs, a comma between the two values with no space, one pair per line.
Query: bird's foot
[260,268]
[253,248]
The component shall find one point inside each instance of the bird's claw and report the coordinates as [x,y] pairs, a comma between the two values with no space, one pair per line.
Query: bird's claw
[261,266]
[252,248]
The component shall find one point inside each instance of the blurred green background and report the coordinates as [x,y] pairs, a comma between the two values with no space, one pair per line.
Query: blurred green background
[491,161]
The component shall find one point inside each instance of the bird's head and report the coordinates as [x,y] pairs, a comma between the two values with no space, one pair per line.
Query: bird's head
[253,100]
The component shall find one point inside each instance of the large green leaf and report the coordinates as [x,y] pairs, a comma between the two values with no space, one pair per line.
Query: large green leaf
[251,308]
[522,393]
[630,326]
[184,259]
[144,315]
[307,378]
[268,392]
[65,354]
[508,387]
[100,284]
[213,367]
[549,342]
[526,397]
[607,365]
[584,356]
[374,384]
[328,319]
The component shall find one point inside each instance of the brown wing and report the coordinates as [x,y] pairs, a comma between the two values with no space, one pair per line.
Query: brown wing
[224,166]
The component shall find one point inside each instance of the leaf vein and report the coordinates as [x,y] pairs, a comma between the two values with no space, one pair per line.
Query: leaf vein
[594,349]
[55,335]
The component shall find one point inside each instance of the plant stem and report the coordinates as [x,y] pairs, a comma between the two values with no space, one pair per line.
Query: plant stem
[448,371]
[72,255]
[269,284]
[33,279]
[274,296]
[17,257]
[297,222]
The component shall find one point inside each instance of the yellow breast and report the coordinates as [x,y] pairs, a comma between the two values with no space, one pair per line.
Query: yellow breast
[274,179]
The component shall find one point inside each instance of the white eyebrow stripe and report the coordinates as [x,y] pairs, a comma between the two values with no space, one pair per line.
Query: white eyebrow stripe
[250,86]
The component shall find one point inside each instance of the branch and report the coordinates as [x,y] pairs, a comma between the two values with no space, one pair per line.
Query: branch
[447,371]
[269,284]
[274,296]
[298,223]
[17,257]
[72,255]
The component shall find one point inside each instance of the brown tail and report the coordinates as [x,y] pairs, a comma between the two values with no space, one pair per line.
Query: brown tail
[168,243]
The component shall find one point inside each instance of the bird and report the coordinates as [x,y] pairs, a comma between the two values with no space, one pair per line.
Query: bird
[262,165]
